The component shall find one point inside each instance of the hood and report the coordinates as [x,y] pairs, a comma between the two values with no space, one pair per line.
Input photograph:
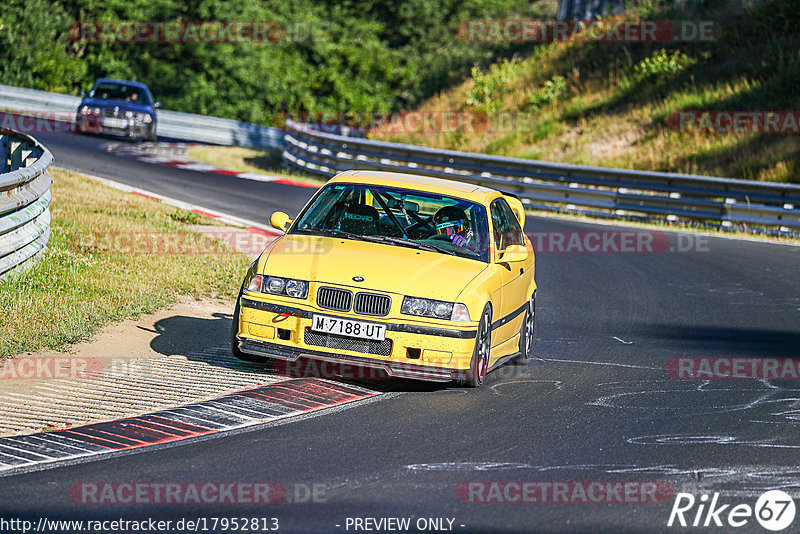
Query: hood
[123,106]
[387,268]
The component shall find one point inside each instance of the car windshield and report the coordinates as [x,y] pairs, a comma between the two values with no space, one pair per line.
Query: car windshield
[121,92]
[399,217]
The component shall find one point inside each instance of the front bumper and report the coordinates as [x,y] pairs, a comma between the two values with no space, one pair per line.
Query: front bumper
[133,129]
[412,349]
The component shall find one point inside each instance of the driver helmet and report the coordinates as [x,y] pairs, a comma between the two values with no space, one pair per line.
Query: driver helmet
[450,220]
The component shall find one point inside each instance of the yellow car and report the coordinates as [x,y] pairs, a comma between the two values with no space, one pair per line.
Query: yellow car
[417,277]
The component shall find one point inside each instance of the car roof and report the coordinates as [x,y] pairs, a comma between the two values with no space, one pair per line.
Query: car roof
[124,82]
[413,181]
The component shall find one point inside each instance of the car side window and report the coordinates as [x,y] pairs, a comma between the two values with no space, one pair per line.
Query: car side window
[507,230]
[514,234]
[499,225]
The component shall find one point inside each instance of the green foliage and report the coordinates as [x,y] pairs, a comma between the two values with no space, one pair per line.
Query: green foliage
[551,91]
[663,65]
[336,56]
[490,86]
[187,217]
[34,44]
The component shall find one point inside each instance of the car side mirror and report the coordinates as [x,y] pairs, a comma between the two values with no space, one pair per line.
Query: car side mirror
[157,104]
[513,254]
[280,221]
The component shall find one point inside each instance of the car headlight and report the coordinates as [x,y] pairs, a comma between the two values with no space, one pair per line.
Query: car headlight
[144,117]
[286,286]
[84,110]
[437,309]
[275,285]
[296,289]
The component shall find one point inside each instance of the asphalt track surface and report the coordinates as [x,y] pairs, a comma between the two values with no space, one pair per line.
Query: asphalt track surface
[595,405]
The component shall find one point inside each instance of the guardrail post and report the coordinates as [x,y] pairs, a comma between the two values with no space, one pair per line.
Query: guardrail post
[16,155]
[4,141]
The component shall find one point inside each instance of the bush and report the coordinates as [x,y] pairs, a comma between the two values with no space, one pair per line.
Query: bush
[659,67]
[549,92]
[489,88]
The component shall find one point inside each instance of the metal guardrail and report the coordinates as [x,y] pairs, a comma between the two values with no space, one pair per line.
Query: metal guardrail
[558,187]
[172,124]
[540,185]
[24,199]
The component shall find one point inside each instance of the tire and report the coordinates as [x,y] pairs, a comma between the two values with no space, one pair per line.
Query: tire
[479,365]
[526,332]
[237,352]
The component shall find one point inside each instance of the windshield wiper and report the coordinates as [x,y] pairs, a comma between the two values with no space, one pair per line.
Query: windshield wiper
[330,232]
[411,243]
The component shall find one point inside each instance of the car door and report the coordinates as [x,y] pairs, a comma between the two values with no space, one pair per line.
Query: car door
[514,278]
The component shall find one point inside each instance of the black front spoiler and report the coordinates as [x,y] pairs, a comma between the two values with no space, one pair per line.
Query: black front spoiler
[392,369]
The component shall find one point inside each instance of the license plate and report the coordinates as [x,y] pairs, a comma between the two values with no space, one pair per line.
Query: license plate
[111,122]
[347,327]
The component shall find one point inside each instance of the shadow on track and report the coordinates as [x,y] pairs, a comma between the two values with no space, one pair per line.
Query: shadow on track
[729,341]
[191,336]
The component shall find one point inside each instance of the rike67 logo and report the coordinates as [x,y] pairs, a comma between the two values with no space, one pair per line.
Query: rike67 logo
[774,510]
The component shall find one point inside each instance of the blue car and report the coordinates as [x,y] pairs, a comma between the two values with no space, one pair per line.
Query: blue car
[119,108]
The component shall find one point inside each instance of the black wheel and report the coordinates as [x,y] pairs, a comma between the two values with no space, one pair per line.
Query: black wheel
[479,365]
[526,333]
[237,353]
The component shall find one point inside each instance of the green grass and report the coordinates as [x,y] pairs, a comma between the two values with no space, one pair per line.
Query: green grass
[608,104]
[79,286]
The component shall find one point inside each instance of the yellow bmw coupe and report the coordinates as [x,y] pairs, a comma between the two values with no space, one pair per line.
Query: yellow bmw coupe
[417,277]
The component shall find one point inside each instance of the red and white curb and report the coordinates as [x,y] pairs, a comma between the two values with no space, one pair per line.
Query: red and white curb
[254,407]
[146,154]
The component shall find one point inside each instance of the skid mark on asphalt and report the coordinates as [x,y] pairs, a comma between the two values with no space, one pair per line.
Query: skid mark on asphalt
[129,388]
[612,364]
[774,407]
[622,341]
[251,407]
